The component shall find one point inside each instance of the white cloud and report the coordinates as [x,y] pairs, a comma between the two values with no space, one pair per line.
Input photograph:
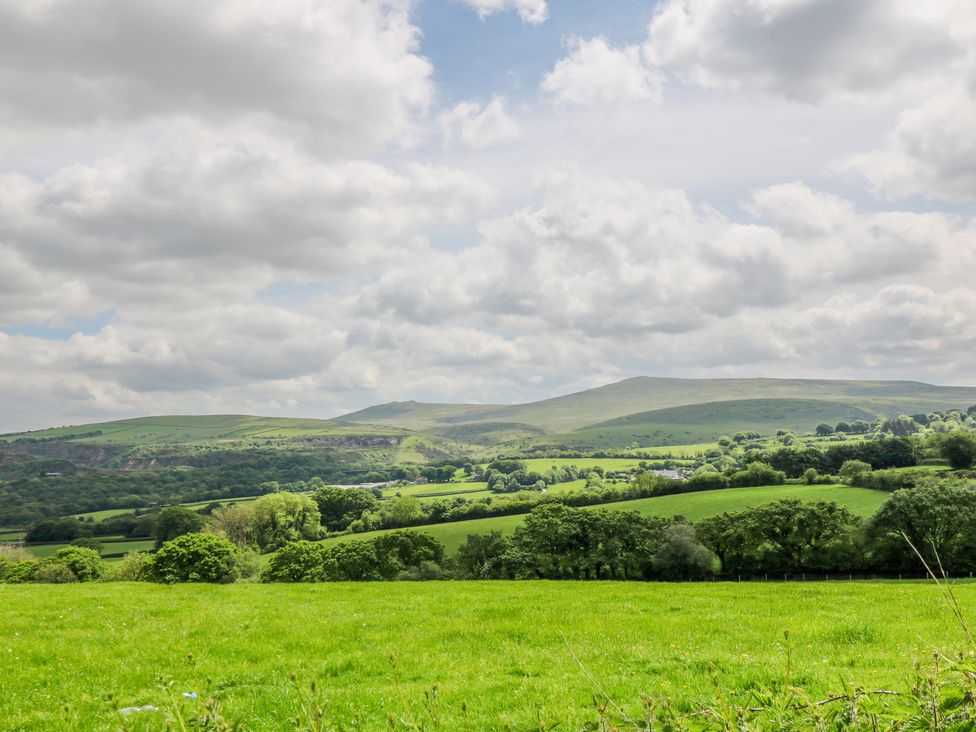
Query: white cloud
[530,11]
[341,76]
[804,49]
[477,125]
[595,72]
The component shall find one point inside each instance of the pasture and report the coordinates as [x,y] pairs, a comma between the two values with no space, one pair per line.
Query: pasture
[499,648]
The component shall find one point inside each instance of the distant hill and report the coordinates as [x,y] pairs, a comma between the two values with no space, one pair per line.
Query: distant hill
[643,394]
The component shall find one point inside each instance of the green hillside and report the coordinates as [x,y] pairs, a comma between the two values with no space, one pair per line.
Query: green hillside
[642,394]
[693,506]
[704,422]
[196,428]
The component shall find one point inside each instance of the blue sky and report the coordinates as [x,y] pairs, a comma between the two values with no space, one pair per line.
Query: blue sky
[308,214]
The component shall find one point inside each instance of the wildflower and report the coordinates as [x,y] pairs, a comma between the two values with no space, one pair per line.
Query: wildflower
[190,694]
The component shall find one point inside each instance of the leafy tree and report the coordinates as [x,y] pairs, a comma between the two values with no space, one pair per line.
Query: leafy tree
[404,510]
[399,550]
[176,521]
[56,529]
[196,558]
[823,429]
[939,518]
[299,561]
[479,557]
[757,473]
[851,469]
[236,524]
[339,507]
[283,517]
[681,556]
[959,448]
[796,535]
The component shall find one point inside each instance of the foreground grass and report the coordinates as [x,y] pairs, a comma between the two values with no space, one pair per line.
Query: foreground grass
[693,506]
[498,646]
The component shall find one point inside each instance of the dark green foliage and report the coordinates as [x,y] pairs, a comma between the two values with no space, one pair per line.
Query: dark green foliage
[196,558]
[879,454]
[785,536]
[88,542]
[757,473]
[479,557]
[27,495]
[939,519]
[63,529]
[339,507]
[176,521]
[681,556]
[383,558]
[959,448]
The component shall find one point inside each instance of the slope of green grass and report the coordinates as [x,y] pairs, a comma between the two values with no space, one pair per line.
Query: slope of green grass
[201,428]
[501,648]
[693,506]
[701,422]
[641,394]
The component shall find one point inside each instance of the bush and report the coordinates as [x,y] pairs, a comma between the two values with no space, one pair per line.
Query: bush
[53,573]
[56,529]
[85,564]
[299,561]
[757,473]
[134,567]
[88,542]
[175,521]
[19,571]
[196,558]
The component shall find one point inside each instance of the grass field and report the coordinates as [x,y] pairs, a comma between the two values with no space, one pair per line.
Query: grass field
[433,489]
[109,547]
[693,506]
[499,647]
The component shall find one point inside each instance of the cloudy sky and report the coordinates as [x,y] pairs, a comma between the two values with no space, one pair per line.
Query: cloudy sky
[308,206]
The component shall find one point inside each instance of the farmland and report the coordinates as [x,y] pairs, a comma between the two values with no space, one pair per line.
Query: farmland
[499,647]
[693,506]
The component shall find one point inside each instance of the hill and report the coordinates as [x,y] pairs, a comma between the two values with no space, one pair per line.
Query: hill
[643,394]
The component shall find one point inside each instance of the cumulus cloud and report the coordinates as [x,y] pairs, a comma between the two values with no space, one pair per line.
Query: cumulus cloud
[595,72]
[530,11]
[342,75]
[477,125]
[210,218]
[804,49]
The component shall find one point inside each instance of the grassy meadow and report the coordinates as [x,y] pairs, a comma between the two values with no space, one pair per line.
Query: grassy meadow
[499,647]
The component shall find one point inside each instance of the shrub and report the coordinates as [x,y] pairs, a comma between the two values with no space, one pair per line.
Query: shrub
[53,573]
[299,561]
[134,567]
[85,564]
[20,571]
[88,542]
[757,473]
[195,558]
[57,529]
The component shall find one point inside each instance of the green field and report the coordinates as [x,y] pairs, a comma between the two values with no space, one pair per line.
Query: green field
[433,489]
[499,647]
[693,506]
[109,546]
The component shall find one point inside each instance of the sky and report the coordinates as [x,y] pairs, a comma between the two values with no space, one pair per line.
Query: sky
[306,207]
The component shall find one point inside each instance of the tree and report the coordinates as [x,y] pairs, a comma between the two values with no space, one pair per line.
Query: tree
[176,521]
[959,448]
[235,523]
[88,542]
[283,517]
[851,469]
[757,473]
[938,518]
[339,507]
[824,429]
[844,427]
[479,557]
[196,558]
[299,561]
[404,510]
[796,535]
[681,556]
[56,529]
